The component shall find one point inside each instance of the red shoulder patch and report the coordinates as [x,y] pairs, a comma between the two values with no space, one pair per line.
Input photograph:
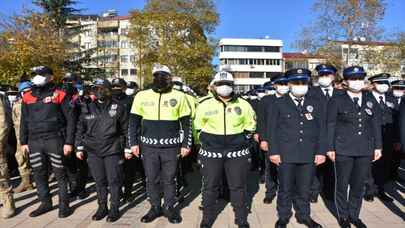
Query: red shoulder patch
[28,98]
[58,96]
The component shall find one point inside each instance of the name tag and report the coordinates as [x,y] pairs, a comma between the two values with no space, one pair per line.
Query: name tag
[309,116]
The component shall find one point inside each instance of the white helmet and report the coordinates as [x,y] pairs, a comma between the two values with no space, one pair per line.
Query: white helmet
[161,68]
[223,76]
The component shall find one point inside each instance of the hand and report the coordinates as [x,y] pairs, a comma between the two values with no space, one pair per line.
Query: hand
[331,155]
[128,156]
[67,149]
[25,149]
[256,137]
[80,155]
[397,147]
[276,159]
[377,155]
[135,151]
[319,159]
[264,146]
[184,152]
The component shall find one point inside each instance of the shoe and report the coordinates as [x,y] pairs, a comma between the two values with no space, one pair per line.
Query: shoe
[204,225]
[369,198]
[83,194]
[246,225]
[344,223]
[25,184]
[314,199]
[358,223]
[262,178]
[8,209]
[201,207]
[43,208]
[101,212]
[269,200]
[384,197]
[309,222]
[113,215]
[65,211]
[281,224]
[173,215]
[153,213]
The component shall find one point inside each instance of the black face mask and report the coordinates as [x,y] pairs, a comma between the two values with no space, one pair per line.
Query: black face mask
[103,94]
[117,92]
[162,83]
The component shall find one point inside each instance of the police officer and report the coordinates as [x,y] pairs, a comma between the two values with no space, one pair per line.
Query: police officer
[47,133]
[157,117]
[325,90]
[354,140]
[100,129]
[398,91]
[6,195]
[297,145]
[380,171]
[226,124]
[131,89]
[263,124]
[77,169]
[21,156]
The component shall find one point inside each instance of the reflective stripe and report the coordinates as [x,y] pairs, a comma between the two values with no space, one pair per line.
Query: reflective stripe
[151,141]
[57,166]
[36,165]
[57,156]
[80,148]
[35,160]
[56,160]
[232,154]
[34,155]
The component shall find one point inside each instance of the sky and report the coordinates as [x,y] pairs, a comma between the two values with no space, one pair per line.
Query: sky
[278,19]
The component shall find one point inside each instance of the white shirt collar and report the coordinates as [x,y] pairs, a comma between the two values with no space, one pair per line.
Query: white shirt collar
[353,95]
[329,88]
[378,95]
[295,101]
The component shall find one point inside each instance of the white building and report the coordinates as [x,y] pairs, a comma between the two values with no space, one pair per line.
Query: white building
[251,61]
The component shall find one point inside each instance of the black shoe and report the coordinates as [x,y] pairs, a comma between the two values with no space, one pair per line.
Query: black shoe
[83,195]
[314,199]
[262,178]
[269,200]
[173,215]
[204,226]
[246,225]
[358,223]
[384,197]
[281,224]
[369,197]
[65,211]
[43,208]
[113,215]
[309,222]
[153,213]
[101,212]
[344,223]
[127,197]
[201,207]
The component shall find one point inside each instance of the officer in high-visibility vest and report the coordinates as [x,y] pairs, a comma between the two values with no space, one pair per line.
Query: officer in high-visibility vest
[226,124]
[158,116]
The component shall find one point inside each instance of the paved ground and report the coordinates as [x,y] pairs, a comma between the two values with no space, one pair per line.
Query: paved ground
[376,214]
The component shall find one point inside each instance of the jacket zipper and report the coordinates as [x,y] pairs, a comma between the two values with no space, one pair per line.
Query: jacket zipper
[160,97]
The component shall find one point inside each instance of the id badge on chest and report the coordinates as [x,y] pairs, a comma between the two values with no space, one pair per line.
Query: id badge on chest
[309,116]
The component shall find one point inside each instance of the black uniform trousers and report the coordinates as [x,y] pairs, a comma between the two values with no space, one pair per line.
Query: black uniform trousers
[295,181]
[160,166]
[107,173]
[235,170]
[350,171]
[45,152]
[271,181]
[77,171]
[318,180]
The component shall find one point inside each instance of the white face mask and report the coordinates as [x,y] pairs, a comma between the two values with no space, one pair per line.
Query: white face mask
[39,80]
[325,81]
[356,85]
[382,88]
[129,92]
[299,90]
[12,99]
[81,92]
[397,93]
[282,89]
[271,92]
[224,90]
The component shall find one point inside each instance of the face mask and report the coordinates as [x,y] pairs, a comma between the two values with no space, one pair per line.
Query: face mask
[271,92]
[299,90]
[12,99]
[39,80]
[177,87]
[382,88]
[282,89]
[325,81]
[356,85]
[129,92]
[103,94]
[161,83]
[398,93]
[116,92]
[224,90]
[81,92]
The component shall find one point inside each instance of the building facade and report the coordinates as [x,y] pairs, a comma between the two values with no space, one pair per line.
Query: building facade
[251,61]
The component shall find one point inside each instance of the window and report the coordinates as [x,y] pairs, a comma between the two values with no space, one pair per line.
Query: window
[87,45]
[124,31]
[271,49]
[133,72]
[124,44]
[124,58]
[240,48]
[124,72]
[132,58]
[256,75]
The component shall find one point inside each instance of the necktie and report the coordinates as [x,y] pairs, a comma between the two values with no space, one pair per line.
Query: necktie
[327,94]
[382,104]
[299,105]
[356,102]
